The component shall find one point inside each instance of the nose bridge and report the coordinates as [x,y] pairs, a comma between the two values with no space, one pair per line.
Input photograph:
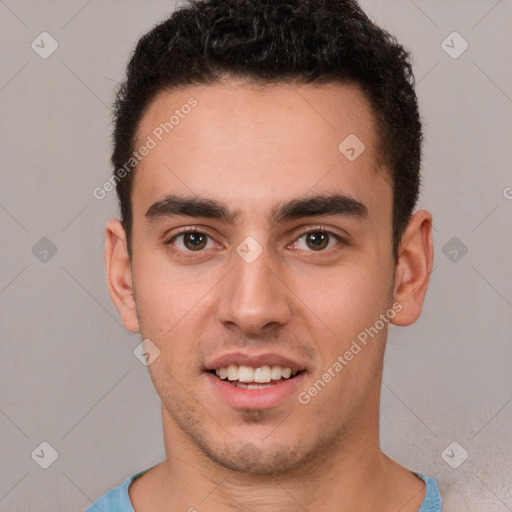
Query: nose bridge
[252,295]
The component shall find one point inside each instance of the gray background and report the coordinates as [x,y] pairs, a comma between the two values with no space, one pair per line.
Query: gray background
[68,375]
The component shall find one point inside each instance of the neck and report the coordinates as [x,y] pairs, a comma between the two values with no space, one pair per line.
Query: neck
[353,474]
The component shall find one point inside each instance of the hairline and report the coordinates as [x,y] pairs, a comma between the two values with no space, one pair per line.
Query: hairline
[249,81]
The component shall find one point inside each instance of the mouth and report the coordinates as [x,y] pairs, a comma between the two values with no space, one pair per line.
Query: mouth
[248,377]
[264,381]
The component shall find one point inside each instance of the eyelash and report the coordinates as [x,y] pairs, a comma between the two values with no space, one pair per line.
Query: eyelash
[202,231]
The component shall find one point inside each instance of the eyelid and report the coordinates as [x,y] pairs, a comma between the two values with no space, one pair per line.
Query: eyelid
[301,233]
[188,229]
[322,229]
[316,229]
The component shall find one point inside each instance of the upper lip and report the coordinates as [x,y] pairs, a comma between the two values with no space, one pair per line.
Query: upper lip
[253,360]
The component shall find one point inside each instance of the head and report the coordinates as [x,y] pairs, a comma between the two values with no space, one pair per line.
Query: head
[264,43]
[299,248]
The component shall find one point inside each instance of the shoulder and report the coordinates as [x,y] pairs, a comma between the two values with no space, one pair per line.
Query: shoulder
[117,499]
[465,492]
[432,501]
[450,493]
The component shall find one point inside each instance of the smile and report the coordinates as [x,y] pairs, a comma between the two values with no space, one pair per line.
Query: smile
[247,377]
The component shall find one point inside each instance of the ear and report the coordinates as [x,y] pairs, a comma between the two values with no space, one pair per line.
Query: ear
[119,274]
[413,268]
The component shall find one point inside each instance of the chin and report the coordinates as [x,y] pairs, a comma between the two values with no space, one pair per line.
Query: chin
[253,447]
[255,460]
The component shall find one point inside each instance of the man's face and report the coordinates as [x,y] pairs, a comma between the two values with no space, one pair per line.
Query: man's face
[278,298]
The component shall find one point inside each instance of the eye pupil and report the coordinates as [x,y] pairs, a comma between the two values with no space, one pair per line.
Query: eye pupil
[197,240]
[318,239]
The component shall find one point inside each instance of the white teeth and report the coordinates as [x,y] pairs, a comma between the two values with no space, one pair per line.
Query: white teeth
[245,374]
[252,386]
[276,372]
[261,375]
[232,372]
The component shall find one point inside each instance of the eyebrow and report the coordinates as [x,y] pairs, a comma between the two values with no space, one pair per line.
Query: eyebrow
[317,205]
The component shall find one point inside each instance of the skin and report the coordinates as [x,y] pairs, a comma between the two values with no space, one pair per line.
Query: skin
[253,148]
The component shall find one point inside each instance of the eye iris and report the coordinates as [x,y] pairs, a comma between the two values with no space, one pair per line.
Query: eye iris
[318,239]
[315,240]
[197,240]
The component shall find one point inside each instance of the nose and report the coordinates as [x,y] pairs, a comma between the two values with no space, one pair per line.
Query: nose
[253,297]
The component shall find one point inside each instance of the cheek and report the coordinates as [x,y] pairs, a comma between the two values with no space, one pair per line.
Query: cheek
[346,300]
[351,354]
[173,305]
[164,289]
[164,298]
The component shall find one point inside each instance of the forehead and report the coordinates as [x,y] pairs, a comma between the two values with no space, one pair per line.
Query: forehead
[253,146]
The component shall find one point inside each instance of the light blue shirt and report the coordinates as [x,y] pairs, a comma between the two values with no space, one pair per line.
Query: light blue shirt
[118,500]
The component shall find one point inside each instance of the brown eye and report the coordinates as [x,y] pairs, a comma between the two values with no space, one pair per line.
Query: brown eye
[194,241]
[317,240]
[191,240]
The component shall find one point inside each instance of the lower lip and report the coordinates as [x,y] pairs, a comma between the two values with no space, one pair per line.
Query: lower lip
[264,398]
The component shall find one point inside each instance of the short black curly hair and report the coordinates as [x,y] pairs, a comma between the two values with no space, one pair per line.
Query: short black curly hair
[272,42]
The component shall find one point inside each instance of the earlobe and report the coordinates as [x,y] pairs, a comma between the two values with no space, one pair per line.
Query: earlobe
[119,274]
[413,268]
